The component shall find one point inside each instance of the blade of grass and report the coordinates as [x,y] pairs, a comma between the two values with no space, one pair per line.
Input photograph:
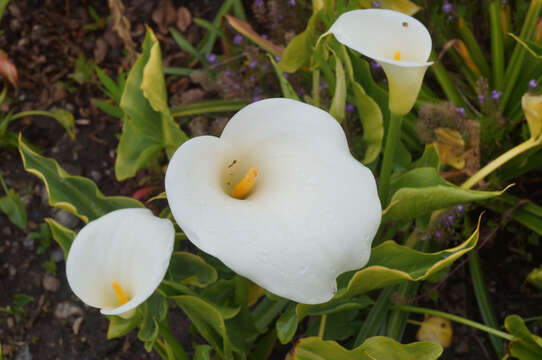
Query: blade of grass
[377,316]
[239,10]
[209,106]
[474,49]
[515,65]
[185,45]
[497,47]
[484,304]
[446,83]
[178,71]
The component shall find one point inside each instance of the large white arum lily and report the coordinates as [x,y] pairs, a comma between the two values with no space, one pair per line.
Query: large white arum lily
[117,261]
[398,42]
[308,212]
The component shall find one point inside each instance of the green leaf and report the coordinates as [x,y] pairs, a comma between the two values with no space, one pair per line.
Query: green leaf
[203,352]
[62,235]
[119,327]
[13,207]
[392,264]
[420,191]
[531,47]
[286,325]
[75,194]
[208,106]
[65,118]
[378,347]
[209,322]
[372,121]
[185,45]
[338,103]
[110,109]
[190,269]
[404,6]
[429,158]
[535,277]
[154,310]
[300,48]
[287,89]
[148,125]
[525,345]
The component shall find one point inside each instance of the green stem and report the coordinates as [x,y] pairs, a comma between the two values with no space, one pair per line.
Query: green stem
[322,328]
[457,319]
[316,87]
[484,304]
[170,339]
[498,162]
[4,186]
[392,141]
[376,316]
[31,113]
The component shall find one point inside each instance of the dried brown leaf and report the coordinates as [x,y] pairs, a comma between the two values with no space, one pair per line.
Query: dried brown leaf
[184,18]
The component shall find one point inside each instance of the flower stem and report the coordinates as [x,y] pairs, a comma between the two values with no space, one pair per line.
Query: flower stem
[392,141]
[3,183]
[170,340]
[455,318]
[498,162]
[31,113]
[322,328]
[316,87]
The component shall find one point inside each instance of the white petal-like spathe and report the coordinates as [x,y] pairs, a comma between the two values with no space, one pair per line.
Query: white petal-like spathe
[311,216]
[379,34]
[130,246]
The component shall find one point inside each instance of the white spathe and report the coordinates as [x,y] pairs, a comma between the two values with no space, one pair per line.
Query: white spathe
[129,246]
[380,34]
[311,216]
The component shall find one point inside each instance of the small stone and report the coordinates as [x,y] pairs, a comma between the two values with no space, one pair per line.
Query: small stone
[50,283]
[66,219]
[77,325]
[24,353]
[28,243]
[6,231]
[95,175]
[57,255]
[66,309]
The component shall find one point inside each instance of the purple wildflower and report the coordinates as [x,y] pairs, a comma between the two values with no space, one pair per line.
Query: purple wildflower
[211,58]
[258,3]
[533,84]
[447,8]
[460,111]
[376,4]
[265,37]
[277,58]
[349,107]
[253,64]
[460,208]
[481,98]
[291,3]
[238,39]
[496,95]
[438,234]
[323,84]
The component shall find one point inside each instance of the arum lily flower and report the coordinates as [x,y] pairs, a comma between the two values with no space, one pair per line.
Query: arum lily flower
[278,198]
[398,42]
[117,261]
[532,108]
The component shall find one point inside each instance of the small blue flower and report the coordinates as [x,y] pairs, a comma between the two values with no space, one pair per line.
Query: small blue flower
[211,58]
[349,107]
[438,234]
[291,3]
[277,58]
[460,111]
[533,84]
[460,208]
[376,4]
[447,8]
[323,84]
[238,39]
[253,64]
[258,3]
[496,95]
[481,98]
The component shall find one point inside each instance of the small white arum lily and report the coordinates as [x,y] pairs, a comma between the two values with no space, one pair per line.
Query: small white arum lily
[278,198]
[398,42]
[117,261]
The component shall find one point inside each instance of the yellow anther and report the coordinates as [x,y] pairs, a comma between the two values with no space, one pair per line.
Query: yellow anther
[121,295]
[397,56]
[246,184]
